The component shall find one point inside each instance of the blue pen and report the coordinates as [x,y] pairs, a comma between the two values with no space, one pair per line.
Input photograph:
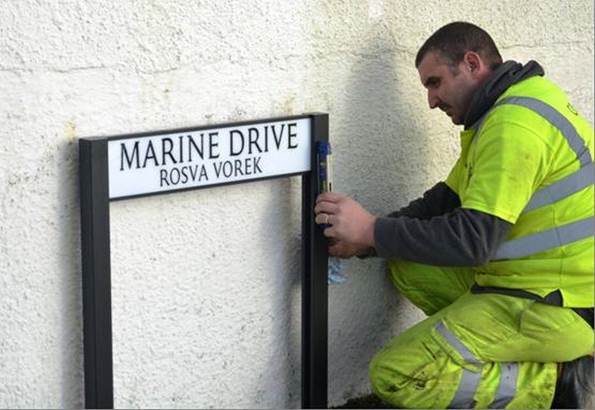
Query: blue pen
[323,150]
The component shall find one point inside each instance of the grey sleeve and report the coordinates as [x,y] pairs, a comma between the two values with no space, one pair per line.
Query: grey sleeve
[438,200]
[463,237]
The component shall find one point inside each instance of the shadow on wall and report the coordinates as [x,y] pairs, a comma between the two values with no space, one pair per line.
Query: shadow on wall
[72,394]
[282,378]
[379,159]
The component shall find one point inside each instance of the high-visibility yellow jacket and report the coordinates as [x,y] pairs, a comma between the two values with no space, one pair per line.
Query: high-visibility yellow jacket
[529,161]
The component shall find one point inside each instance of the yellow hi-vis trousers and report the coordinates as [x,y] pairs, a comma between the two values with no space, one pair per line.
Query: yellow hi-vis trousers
[474,350]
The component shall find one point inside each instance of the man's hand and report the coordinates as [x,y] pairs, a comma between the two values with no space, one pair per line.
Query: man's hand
[352,225]
[346,250]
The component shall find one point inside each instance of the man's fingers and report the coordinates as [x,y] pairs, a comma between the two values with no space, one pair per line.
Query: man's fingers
[340,250]
[337,250]
[323,219]
[330,197]
[329,232]
[326,207]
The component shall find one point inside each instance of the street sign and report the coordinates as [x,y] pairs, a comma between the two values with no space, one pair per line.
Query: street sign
[202,157]
[151,163]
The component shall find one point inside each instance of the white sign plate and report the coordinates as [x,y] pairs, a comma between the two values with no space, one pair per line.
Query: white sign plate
[180,160]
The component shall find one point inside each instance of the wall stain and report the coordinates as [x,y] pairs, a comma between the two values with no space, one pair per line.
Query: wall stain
[287,106]
[70,131]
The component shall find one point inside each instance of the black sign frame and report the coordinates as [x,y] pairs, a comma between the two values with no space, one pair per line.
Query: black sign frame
[96,265]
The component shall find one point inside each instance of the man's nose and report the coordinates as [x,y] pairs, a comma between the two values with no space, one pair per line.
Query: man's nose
[433,99]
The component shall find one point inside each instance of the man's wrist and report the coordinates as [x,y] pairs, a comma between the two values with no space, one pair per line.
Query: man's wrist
[369,232]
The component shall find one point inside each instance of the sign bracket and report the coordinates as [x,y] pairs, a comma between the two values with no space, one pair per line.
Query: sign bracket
[96,264]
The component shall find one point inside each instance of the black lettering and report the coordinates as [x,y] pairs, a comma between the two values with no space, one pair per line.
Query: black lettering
[291,135]
[175,180]
[181,147]
[184,175]
[253,139]
[280,138]
[238,167]
[256,167]
[167,145]
[124,153]
[266,138]
[203,173]
[232,152]
[213,144]
[227,170]
[247,166]
[163,177]
[150,154]
[192,144]
[217,166]
[193,172]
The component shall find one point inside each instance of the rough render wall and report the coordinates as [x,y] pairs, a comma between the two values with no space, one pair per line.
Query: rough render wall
[206,288]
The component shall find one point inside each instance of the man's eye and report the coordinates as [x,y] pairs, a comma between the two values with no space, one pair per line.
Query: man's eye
[430,84]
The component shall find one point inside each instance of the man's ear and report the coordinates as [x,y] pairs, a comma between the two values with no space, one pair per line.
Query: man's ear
[474,64]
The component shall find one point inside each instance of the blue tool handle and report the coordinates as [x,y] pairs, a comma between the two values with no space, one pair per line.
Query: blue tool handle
[323,150]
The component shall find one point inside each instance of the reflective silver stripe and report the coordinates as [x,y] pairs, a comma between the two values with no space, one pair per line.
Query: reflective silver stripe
[469,380]
[563,188]
[456,343]
[509,373]
[543,241]
[584,177]
[557,120]
[466,391]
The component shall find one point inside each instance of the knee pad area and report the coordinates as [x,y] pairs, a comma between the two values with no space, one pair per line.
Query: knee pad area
[404,380]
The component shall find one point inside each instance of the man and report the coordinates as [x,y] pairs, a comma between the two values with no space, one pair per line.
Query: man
[500,255]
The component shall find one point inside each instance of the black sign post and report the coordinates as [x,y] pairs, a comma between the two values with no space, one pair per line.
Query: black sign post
[158,158]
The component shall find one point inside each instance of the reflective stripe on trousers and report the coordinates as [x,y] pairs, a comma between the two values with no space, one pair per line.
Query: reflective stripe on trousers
[470,380]
[569,185]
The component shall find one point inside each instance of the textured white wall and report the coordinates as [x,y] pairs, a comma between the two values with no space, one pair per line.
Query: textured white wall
[206,289]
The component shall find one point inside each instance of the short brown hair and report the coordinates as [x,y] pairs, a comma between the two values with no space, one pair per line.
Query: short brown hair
[455,39]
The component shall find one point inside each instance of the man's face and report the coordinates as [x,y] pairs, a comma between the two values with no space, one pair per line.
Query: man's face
[449,88]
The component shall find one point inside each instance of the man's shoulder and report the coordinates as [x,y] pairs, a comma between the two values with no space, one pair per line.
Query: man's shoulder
[523,111]
[537,87]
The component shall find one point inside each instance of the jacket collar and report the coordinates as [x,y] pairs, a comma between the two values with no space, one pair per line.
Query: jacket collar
[502,78]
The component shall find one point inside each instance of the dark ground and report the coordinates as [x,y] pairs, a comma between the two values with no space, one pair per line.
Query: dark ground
[364,402]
